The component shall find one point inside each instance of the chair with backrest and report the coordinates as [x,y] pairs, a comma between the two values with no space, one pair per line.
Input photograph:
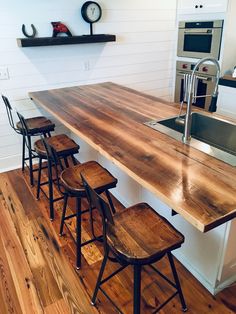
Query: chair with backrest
[36,126]
[70,185]
[64,146]
[136,236]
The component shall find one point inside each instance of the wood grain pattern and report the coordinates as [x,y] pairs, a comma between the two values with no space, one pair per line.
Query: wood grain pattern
[23,291]
[61,143]
[110,118]
[59,307]
[21,273]
[9,301]
[101,178]
[37,124]
[133,235]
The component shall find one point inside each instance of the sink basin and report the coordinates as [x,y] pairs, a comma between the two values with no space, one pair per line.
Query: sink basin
[214,136]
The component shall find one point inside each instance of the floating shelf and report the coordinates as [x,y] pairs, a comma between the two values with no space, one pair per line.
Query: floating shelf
[52,41]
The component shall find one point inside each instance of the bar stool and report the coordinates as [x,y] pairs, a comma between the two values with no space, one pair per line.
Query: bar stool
[136,236]
[70,185]
[36,126]
[65,148]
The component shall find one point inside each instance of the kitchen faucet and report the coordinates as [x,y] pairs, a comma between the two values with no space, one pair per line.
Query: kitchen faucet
[188,117]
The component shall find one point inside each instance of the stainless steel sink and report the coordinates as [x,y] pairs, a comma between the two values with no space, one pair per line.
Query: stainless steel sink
[213,136]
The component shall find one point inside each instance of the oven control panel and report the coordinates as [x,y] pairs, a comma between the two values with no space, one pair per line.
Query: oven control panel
[205,68]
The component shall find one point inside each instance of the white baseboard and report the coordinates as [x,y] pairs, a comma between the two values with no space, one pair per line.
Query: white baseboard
[225,284]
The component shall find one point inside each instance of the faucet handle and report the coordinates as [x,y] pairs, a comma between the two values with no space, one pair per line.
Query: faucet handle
[213,107]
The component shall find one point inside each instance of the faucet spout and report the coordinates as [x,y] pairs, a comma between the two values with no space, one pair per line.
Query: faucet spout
[188,117]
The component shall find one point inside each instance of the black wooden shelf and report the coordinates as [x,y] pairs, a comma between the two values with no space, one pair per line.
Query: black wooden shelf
[52,41]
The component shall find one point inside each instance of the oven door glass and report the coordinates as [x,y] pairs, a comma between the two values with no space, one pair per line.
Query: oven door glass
[197,43]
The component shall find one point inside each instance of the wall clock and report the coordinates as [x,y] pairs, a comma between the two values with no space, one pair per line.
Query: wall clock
[91,13]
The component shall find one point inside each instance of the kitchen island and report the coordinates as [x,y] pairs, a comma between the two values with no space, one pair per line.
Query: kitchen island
[202,189]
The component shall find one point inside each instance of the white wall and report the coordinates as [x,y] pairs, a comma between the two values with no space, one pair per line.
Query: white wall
[142,57]
[226,101]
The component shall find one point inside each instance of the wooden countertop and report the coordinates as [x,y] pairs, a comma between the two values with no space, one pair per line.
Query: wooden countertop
[228,80]
[110,118]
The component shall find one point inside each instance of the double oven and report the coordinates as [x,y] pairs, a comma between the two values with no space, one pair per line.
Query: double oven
[197,39]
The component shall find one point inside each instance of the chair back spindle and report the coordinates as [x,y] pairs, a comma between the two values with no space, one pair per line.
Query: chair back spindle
[97,201]
[24,125]
[9,113]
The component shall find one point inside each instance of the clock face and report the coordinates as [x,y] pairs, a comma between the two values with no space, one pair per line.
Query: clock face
[91,11]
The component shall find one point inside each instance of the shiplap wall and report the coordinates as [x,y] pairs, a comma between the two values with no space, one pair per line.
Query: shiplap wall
[141,58]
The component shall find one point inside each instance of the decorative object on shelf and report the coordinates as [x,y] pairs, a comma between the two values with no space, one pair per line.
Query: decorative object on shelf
[91,13]
[26,34]
[60,28]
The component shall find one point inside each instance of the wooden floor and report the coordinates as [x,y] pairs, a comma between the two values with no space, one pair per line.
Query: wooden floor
[37,272]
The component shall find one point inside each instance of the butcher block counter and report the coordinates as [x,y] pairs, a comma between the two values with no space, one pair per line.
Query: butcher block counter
[110,118]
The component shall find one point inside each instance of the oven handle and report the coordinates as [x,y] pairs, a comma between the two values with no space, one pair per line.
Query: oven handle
[202,96]
[204,78]
[198,32]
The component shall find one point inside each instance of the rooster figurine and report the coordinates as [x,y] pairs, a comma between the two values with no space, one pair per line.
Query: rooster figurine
[59,28]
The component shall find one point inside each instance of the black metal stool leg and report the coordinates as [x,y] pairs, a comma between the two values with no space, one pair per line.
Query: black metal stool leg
[78,232]
[74,160]
[110,201]
[178,286]
[30,161]
[137,289]
[23,153]
[63,214]
[50,188]
[91,220]
[39,177]
[93,301]
[66,162]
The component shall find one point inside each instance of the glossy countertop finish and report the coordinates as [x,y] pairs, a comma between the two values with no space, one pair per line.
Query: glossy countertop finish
[110,118]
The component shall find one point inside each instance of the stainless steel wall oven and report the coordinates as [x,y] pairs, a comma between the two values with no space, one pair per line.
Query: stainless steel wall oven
[205,75]
[200,39]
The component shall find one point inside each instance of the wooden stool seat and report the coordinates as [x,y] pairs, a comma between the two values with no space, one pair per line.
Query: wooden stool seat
[37,125]
[62,144]
[139,235]
[101,178]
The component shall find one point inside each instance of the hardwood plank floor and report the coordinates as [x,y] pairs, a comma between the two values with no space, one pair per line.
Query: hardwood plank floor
[37,272]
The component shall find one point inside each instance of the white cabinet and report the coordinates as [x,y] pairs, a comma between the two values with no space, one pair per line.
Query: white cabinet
[201,6]
[226,101]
